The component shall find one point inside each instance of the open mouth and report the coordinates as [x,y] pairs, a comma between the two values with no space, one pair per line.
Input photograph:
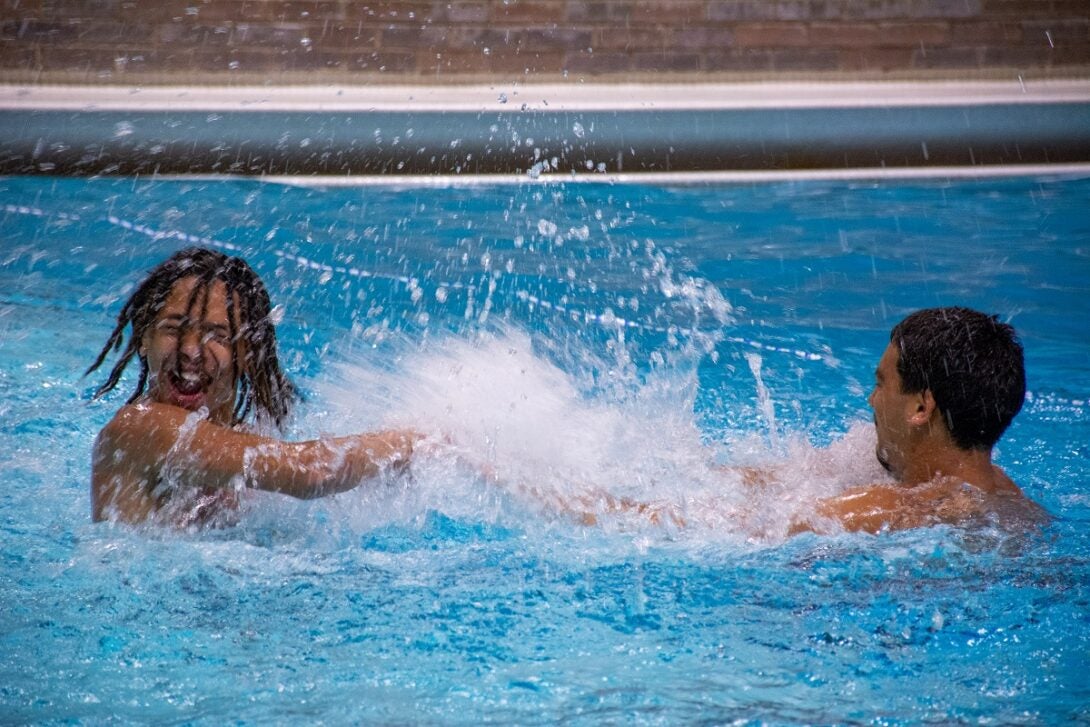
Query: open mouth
[187,389]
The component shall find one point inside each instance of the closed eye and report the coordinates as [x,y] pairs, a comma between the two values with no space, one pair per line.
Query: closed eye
[219,334]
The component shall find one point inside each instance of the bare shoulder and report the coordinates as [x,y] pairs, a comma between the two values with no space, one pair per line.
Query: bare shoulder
[132,450]
[1011,505]
[119,440]
[122,472]
[873,508]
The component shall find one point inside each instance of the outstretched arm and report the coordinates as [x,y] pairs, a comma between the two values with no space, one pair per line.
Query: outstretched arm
[148,442]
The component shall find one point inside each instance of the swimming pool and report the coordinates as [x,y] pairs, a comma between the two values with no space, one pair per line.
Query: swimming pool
[624,336]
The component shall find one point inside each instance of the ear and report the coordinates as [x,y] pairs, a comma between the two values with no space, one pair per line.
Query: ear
[922,408]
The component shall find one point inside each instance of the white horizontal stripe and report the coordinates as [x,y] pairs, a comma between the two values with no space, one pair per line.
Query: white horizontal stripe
[566,97]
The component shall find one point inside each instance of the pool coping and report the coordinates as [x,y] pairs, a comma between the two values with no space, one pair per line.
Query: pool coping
[535,129]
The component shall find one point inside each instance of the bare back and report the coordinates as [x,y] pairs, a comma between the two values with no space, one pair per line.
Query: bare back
[948,500]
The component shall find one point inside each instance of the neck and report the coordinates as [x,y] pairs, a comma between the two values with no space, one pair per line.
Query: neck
[947,461]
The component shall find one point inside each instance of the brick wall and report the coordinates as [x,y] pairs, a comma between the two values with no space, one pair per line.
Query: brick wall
[228,41]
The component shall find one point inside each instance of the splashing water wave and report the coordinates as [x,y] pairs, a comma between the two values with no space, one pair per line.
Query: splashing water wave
[513,437]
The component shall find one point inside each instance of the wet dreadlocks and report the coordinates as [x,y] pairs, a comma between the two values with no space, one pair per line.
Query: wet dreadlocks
[261,385]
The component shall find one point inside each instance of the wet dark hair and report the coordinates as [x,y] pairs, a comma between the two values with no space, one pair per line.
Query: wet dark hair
[973,365]
[261,385]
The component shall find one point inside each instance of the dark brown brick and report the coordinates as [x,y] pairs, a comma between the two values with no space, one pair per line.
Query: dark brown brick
[299,10]
[740,61]
[1014,8]
[381,62]
[222,11]
[943,9]
[1069,8]
[875,59]
[30,30]
[184,34]
[530,12]
[14,58]
[798,10]
[602,11]
[621,38]
[704,38]
[845,34]
[866,9]
[521,63]
[393,11]
[454,63]
[1023,57]
[88,60]
[729,11]
[666,62]
[877,34]
[439,37]
[1056,33]
[107,38]
[561,39]
[677,12]
[770,35]
[985,32]
[110,32]
[461,12]
[947,58]
[70,9]
[238,60]
[805,59]
[279,35]
[352,36]
[598,63]
[1071,55]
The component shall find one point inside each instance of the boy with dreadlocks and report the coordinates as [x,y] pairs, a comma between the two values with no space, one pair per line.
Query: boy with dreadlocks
[179,450]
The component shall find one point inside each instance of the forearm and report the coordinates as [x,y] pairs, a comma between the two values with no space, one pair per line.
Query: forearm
[316,468]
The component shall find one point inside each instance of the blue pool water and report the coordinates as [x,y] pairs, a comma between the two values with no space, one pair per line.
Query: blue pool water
[575,338]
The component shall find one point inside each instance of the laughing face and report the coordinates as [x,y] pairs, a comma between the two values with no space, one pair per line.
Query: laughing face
[190,357]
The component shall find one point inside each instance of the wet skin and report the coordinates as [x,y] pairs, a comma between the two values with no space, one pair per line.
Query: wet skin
[174,455]
[937,481]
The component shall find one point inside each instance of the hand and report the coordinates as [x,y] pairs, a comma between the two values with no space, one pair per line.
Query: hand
[400,445]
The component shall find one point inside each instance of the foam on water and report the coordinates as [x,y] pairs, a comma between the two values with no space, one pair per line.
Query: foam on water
[512,432]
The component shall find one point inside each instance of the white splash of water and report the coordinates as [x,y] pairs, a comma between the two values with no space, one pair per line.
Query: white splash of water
[514,436]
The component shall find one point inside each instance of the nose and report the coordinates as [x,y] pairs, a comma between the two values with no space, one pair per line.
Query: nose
[873,394]
[189,344]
